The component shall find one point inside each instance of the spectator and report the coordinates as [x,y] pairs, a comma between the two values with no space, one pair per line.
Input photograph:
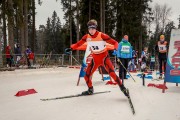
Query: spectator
[144,57]
[152,62]
[8,56]
[27,52]
[124,54]
[17,53]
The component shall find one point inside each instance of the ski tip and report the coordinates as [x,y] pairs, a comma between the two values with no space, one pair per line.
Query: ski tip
[43,99]
[133,113]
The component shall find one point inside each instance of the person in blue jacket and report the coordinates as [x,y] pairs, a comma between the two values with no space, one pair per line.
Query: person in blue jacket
[144,58]
[124,54]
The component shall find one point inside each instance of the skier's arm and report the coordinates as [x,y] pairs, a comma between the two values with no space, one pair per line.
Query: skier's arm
[79,43]
[109,40]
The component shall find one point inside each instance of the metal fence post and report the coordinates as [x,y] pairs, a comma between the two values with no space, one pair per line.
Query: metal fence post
[62,59]
[71,58]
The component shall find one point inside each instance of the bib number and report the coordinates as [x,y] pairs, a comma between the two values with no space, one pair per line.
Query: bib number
[95,47]
[125,49]
[152,59]
[162,47]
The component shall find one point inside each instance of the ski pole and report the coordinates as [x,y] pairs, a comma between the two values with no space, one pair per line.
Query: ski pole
[126,69]
[143,76]
[75,60]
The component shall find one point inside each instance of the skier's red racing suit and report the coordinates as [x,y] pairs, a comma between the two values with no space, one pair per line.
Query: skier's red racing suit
[97,43]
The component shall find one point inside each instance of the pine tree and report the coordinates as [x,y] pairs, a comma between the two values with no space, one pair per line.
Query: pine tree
[48,40]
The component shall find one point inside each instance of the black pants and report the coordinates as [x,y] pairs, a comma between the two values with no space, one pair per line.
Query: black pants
[162,60]
[152,65]
[28,62]
[9,62]
[122,71]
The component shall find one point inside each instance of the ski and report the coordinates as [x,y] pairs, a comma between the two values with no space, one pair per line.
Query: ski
[130,102]
[71,96]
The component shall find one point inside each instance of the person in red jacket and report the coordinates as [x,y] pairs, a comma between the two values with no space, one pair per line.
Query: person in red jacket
[8,56]
[31,58]
[97,42]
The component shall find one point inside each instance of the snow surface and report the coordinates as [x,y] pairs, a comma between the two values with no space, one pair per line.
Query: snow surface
[149,102]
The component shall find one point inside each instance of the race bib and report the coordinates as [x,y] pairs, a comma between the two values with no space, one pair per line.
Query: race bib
[162,47]
[152,59]
[97,46]
[125,49]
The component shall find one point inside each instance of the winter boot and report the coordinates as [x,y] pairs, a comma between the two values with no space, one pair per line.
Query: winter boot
[90,91]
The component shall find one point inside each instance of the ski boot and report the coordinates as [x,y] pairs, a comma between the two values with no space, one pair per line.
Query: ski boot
[90,91]
[124,90]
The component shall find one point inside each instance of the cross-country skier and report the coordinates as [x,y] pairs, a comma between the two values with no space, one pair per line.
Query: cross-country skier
[97,42]
[152,62]
[144,57]
[162,48]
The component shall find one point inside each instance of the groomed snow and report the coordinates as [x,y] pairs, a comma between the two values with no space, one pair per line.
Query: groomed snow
[149,102]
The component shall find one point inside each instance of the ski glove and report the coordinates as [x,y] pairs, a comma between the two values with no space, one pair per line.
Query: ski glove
[68,50]
[114,52]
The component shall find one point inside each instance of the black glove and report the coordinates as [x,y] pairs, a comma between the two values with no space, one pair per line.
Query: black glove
[68,50]
[124,90]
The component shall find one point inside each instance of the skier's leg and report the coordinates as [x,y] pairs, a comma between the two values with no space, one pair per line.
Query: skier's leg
[143,65]
[153,66]
[89,72]
[110,69]
[160,67]
[165,60]
[88,77]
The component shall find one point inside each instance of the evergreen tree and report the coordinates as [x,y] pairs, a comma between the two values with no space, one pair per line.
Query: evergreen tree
[48,47]
[55,35]
[168,29]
